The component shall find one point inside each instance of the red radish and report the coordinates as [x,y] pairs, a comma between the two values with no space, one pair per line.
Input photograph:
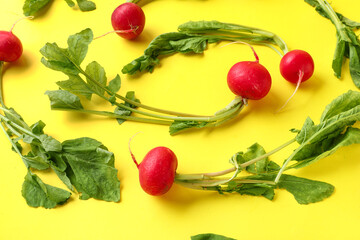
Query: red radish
[128,20]
[296,66]
[249,79]
[10,47]
[157,170]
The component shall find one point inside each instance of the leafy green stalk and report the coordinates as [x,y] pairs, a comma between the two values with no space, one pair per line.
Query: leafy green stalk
[92,80]
[194,37]
[32,7]
[335,130]
[84,165]
[348,43]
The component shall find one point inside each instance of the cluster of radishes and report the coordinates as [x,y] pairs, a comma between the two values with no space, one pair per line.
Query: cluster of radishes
[248,79]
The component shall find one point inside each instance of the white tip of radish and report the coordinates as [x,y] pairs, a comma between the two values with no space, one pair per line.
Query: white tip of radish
[301,75]
[20,19]
[132,155]
[118,31]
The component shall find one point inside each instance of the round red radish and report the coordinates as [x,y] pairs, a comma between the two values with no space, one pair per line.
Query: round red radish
[296,63]
[157,171]
[129,20]
[10,47]
[250,80]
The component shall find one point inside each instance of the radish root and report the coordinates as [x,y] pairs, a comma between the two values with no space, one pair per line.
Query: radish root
[301,75]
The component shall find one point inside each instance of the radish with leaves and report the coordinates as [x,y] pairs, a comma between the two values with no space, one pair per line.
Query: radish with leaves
[315,142]
[92,80]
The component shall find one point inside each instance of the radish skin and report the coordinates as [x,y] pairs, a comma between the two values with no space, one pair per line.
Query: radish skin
[296,66]
[157,170]
[128,20]
[249,79]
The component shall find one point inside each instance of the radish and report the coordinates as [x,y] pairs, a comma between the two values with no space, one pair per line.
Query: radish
[157,170]
[249,79]
[128,20]
[296,66]
[11,48]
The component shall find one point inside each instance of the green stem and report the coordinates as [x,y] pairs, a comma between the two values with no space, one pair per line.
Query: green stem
[131,101]
[14,145]
[334,19]
[204,176]
[199,119]
[18,127]
[1,82]
[114,115]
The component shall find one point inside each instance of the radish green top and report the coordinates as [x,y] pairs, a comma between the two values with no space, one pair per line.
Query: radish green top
[93,80]
[193,37]
[84,165]
[348,43]
[336,129]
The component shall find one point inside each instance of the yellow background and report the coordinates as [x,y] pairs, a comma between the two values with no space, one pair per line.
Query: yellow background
[195,84]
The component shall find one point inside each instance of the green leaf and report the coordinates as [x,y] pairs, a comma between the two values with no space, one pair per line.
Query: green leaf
[39,194]
[57,58]
[97,73]
[339,55]
[166,44]
[38,127]
[70,3]
[36,162]
[343,103]
[210,236]
[77,86]
[91,169]
[312,153]
[252,189]
[86,5]
[31,7]
[178,126]
[125,112]
[89,148]
[67,60]
[115,84]
[355,64]
[61,99]
[94,179]
[261,166]
[78,45]
[49,143]
[304,190]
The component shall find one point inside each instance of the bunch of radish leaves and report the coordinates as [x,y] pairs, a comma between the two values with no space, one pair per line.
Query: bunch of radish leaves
[84,165]
[31,7]
[85,82]
[336,129]
[194,37]
[348,43]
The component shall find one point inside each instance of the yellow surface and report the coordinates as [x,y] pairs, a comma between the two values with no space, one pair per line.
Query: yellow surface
[191,84]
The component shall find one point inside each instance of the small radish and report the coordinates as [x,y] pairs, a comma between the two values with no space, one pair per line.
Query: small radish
[157,170]
[296,66]
[11,48]
[249,79]
[128,20]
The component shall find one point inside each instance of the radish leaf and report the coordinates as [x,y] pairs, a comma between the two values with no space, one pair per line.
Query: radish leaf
[39,194]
